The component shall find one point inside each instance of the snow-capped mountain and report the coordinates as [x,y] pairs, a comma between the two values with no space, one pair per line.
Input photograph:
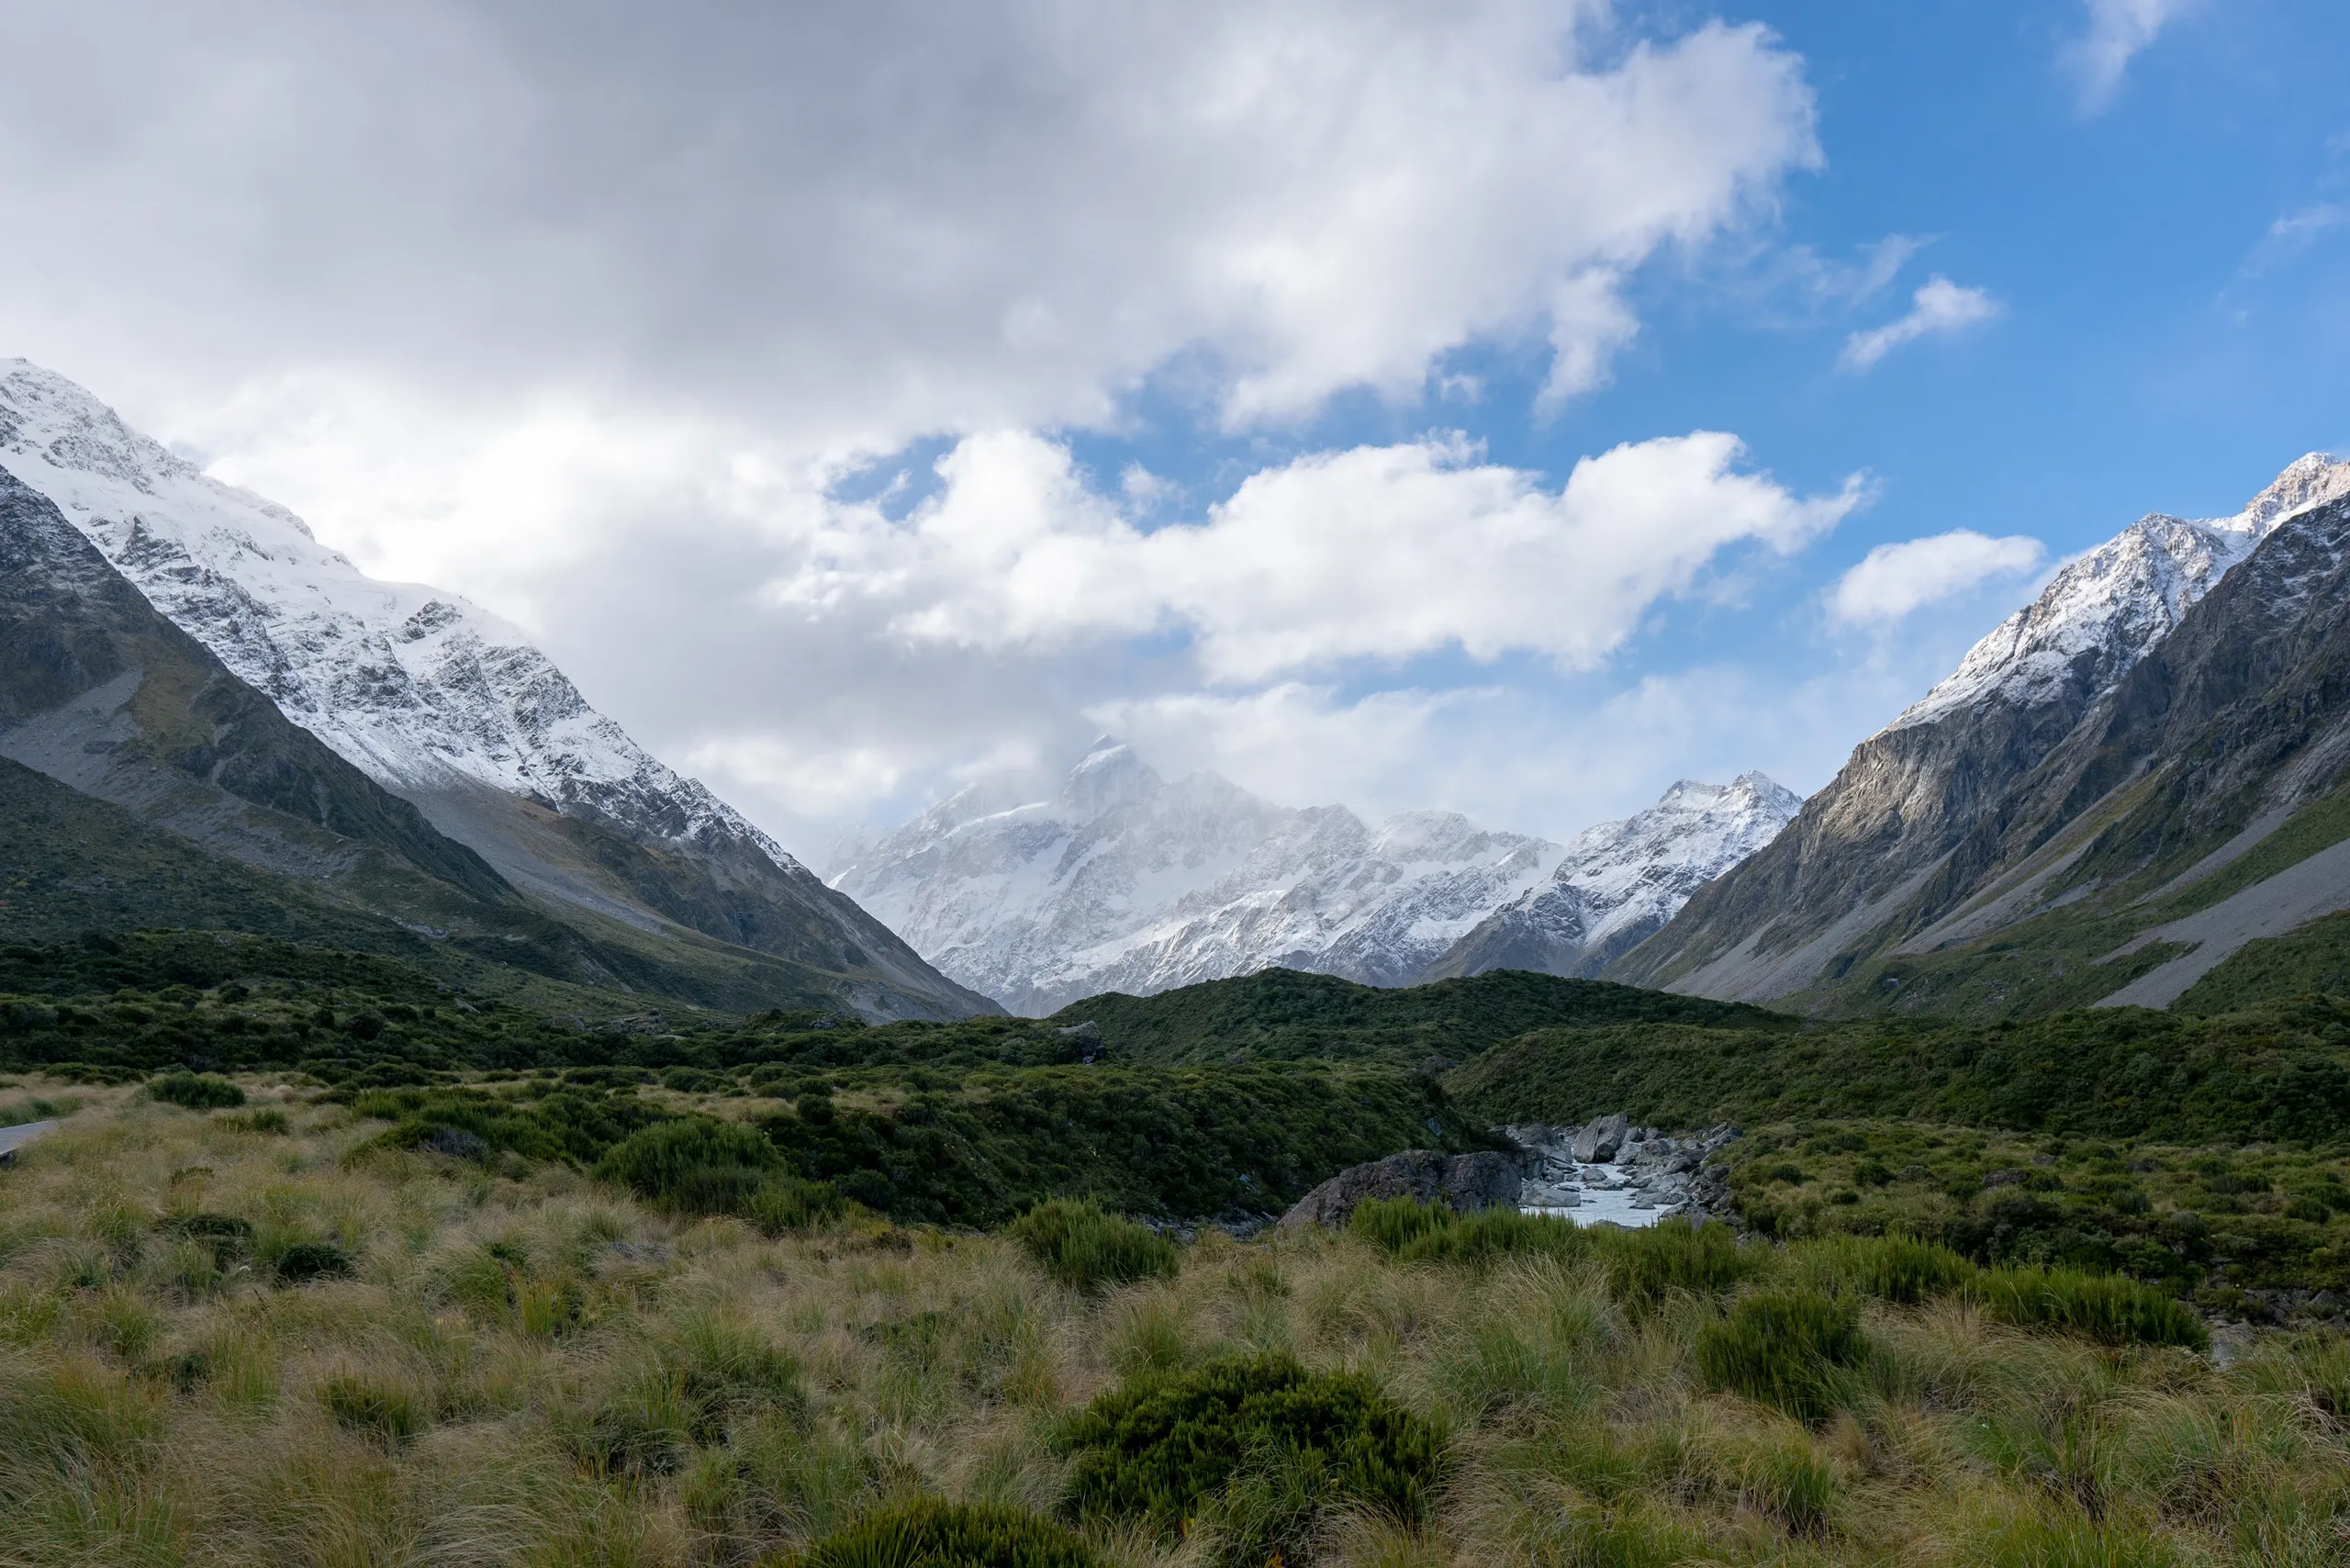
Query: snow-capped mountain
[415,686]
[2105,609]
[1125,882]
[1620,881]
[439,700]
[1898,844]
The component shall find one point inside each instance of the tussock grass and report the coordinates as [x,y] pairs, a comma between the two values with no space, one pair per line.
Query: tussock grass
[1087,1247]
[525,1364]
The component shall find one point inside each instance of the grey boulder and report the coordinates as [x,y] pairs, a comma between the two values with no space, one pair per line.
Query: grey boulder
[1482,1180]
[1601,1140]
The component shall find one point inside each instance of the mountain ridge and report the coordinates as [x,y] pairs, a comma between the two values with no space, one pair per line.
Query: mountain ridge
[1126,883]
[2011,791]
[444,706]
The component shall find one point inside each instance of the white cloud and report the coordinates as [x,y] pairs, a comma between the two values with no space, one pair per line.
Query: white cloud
[1893,580]
[1939,305]
[581,312]
[859,223]
[2118,30]
[1378,552]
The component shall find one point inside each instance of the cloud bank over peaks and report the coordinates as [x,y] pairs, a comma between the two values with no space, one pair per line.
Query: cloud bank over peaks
[1377,553]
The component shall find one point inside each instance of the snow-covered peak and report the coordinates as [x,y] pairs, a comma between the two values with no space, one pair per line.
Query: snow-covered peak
[2308,481]
[1121,880]
[2102,611]
[418,688]
[1618,881]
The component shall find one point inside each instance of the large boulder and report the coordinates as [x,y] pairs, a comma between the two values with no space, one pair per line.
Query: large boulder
[1465,1182]
[1601,1140]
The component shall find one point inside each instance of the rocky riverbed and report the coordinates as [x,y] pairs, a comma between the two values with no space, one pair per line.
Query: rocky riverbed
[1605,1171]
[1608,1172]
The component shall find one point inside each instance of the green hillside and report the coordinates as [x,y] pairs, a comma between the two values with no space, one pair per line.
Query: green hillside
[1287,1015]
[2278,1071]
[69,864]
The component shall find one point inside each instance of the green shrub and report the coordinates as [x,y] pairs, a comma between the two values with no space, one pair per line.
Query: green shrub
[382,1410]
[699,1165]
[197,1090]
[1258,1448]
[1788,1349]
[933,1534]
[1394,1224]
[2105,1307]
[1083,1246]
[1704,1260]
[307,1261]
[269,1122]
[230,1237]
[1891,1268]
[1490,1234]
[679,1158]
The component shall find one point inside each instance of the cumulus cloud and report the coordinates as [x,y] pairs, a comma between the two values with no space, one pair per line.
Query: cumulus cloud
[1940,306]
[2118,30]
[586,310]
[863,222]
[1378,552]
[1892,580]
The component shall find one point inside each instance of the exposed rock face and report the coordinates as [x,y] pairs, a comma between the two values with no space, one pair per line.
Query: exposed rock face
[1926,810]
[1465,1182]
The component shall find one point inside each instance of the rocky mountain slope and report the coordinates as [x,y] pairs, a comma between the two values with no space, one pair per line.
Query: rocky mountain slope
[1125,882]
[2039,788]
[1619,882]
[444,706]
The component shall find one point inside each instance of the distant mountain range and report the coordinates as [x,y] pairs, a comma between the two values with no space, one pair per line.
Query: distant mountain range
[2127,782]
[1125,882]
[189,652]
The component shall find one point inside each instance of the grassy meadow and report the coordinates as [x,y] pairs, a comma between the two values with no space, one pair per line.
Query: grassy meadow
[268,1333]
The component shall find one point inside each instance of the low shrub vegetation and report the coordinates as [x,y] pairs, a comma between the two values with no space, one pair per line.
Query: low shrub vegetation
[1088,1249]
[1793,1349]
[197,1090]
[932,1534]
[2103,1306]
[1251,1451]
[359,1338]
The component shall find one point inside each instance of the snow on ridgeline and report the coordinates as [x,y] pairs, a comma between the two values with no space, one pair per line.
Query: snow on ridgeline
[414,686]
[1125,882]
[1620,881]
[2110,606]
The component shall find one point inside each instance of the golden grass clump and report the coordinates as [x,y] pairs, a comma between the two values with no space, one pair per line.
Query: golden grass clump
[254,1334]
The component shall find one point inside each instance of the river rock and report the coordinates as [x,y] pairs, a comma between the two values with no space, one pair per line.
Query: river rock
[1600,1141]
[1466,1182]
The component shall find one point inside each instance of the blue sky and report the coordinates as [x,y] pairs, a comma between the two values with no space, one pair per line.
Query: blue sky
[860,407]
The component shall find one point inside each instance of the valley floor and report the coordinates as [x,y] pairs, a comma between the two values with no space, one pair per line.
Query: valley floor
[260,1336]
